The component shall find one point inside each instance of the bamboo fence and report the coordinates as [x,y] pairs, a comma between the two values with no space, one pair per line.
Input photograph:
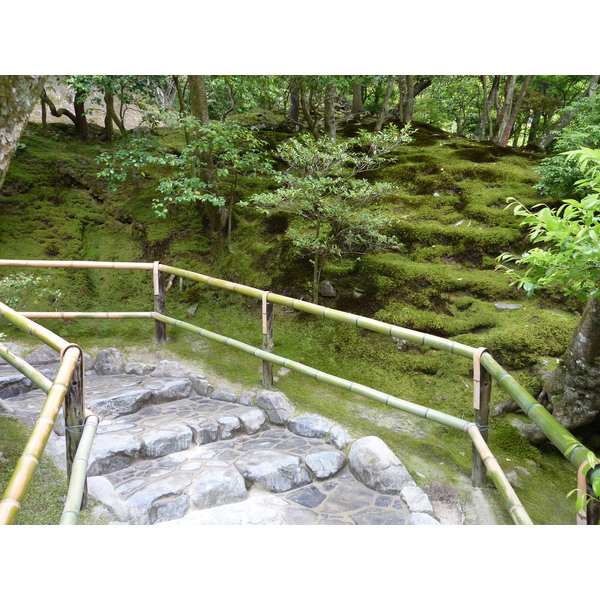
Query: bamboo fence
[483,461]
[61,390]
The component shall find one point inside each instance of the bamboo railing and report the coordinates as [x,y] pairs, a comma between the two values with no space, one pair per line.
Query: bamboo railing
[483,460]
[67,389]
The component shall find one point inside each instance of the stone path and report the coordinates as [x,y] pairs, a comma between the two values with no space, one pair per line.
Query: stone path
[171,449]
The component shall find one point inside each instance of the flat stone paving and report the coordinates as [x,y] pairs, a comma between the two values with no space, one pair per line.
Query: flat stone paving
[165,455]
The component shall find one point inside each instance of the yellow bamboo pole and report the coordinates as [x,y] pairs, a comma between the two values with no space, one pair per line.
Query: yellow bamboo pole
[28,462]
[81,264]
[87,315]
[515,508]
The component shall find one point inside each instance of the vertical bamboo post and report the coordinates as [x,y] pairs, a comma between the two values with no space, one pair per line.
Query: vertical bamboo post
[593,508]
[482,391]
[160,329]
[73,410]
[268,343]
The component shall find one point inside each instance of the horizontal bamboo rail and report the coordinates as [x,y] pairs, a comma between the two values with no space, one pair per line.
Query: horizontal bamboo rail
[41,381]
[87,315]
[73,503]
[516,510]
[569,446]
[34,448]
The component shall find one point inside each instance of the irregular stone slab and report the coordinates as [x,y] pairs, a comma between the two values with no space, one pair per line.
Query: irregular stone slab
[422,519]
[375,465]
[252,420]
[373,516]
[310,425]
[276,405]
[102,489]
[201,386]
[160,500]
[325,463]
[204,430]
[274,471]
[416,499]
[225,396]
[229,426]
[109,362]
[138,368]
[502,306]
[42,356]
[339,437]
[247,398]
[215,487]
[166,440]
[13,383]
[112,452]
[170,368]
[167,390]
[308,496]
[114,404]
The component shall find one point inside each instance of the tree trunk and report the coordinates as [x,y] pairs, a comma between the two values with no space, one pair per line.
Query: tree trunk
[18,96]
[181,99]
[330,111]
[401,99]
[81,124]
[306,112]
[410,98]
[512,116]
[44,116]
[504,113]
[572,391]
[198,98]
[199,105]
[543,143]
[294,110]
[357,101]
[386,103]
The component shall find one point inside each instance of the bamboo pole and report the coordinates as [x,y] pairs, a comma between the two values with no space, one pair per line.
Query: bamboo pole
[77,483]
[41,381]
[362,390]
[87,315]
[509,497]
[80,264]
[27,463]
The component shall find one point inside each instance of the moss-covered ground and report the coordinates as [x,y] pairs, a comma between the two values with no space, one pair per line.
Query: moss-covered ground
[450,219]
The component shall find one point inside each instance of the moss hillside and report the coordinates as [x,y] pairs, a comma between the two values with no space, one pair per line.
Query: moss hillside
[449,215]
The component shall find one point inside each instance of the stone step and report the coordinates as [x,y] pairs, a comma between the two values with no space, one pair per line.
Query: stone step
[170,448]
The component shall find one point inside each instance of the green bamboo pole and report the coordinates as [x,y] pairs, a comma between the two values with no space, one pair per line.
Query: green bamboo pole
[509,497]
[362,390]
[27,463]
[573,450]
[87,315]
[41,381]
[78,479]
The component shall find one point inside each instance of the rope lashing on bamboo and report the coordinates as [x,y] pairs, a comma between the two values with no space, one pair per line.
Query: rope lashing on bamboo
[477,376]
[582,491]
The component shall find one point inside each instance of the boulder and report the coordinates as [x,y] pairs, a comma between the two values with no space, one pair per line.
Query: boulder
[325,463]
[201,386]
[326,290]
[252,420]
[109,362]
[42,356]
[137,368]
[225,396]
[310,425]
[416,499]
[167,439]
[274,471]
[339,437]
[170,368]
[102,489]
[375,465]
[276,405]
[214,487]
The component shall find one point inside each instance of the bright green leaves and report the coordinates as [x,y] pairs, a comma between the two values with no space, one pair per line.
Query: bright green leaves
[567,255]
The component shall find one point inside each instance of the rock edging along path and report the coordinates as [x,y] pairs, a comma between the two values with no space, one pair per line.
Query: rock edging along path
[172,449]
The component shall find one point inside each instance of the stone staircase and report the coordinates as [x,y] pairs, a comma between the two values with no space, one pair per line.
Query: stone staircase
[172,449]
